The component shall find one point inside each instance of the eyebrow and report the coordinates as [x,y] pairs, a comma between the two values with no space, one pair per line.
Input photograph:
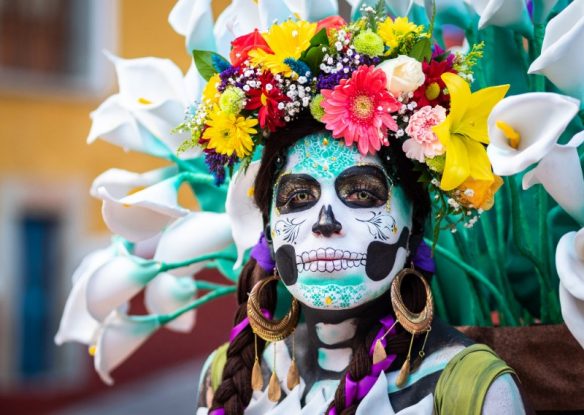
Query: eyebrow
[287,178]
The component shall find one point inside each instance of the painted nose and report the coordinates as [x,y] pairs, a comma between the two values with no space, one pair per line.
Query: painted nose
[326,224]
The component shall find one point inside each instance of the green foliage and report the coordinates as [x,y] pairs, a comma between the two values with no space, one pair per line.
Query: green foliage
[204,61]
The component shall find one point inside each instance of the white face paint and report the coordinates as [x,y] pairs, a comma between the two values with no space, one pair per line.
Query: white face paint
[339,227]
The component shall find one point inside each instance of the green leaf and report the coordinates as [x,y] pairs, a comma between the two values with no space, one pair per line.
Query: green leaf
[320,38]
[313,58]
[380,8]
[204,62]
[422,50]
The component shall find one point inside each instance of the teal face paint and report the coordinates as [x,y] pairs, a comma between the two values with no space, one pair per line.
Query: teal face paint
[333,212]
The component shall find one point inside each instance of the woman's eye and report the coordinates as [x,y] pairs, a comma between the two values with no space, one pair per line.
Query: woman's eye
[300,198]
[363,198]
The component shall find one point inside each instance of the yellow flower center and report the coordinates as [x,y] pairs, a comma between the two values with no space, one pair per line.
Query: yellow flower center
[144,101]
[250,192]
[362,106]
[510,133]
[432,91]
[263,99]
[92,350]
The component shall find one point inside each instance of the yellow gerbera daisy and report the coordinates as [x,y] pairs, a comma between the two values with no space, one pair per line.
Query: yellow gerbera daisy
[230,133]
[286,40]
[393,31]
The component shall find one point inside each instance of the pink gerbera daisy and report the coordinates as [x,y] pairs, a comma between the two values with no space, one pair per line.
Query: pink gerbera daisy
[359,110]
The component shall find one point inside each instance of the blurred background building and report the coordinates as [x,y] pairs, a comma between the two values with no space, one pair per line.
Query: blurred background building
[52,75]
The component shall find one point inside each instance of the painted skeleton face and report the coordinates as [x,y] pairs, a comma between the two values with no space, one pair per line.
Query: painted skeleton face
[339,227]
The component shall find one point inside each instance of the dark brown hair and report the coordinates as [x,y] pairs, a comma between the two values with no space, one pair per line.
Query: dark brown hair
[235,391]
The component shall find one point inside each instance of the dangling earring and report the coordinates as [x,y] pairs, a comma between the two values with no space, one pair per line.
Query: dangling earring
[414,323]
[272,331]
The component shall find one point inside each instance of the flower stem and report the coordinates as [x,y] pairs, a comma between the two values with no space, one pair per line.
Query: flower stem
[220,292]
[165,266]
[483,280]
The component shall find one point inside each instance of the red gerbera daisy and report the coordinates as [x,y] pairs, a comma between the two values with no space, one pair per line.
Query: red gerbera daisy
[359,109]
[432,91]
[267,98]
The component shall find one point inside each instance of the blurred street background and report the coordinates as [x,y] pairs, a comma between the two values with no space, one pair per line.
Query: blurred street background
[52,75]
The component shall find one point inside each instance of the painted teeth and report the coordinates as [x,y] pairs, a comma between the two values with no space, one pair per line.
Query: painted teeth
[330,253]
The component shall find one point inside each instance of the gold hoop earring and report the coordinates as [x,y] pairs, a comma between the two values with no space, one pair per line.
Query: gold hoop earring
[272,331]
[414,323]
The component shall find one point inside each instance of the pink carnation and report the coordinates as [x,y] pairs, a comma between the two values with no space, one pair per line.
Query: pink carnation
[359,110]
[423,143]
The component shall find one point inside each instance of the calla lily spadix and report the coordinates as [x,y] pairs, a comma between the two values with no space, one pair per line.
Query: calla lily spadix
[570,267]
[560,59]
[117,281]
[118,337]
[144,213]
[464,131]
[194,235]
[166,294]
[245,217]
[561,175]
[512,14]
[536,120]
[150,104]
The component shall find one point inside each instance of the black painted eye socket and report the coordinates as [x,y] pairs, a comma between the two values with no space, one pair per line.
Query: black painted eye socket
[362,187]
[297,192]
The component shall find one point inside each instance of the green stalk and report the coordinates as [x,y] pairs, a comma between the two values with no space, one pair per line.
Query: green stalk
[220,292]
[482,279]
[208,285]
[164,266]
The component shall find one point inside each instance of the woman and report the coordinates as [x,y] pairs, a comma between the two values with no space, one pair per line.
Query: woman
[340,226]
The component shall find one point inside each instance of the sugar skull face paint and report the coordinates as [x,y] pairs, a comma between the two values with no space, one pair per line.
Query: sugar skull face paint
[339,227]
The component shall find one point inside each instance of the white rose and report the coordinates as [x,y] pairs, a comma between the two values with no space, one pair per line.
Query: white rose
[404,74]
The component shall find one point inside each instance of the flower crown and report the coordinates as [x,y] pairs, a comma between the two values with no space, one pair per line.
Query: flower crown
[374,82]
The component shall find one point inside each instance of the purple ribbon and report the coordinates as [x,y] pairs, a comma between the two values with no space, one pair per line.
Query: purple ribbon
[358,390]
[239,327]
[423,258]
[262,254]
[218,411]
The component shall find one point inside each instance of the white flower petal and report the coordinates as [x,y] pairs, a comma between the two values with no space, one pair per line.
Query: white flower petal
[194,20]
[119,337]
[143,214]
[239,18]
[116,282]
[512,14]
[114,123]
[399,7]
[559,60]
[194,84]
[539,118]
[572,313]
[312,10]
[166,294]
[570,263]
[245,217]
[561,175]
[194,235]
[120,183]
[272,10]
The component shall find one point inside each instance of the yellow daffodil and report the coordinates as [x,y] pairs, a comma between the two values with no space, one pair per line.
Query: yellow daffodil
[286,40]
[229,133]
[464,131]
[393,31]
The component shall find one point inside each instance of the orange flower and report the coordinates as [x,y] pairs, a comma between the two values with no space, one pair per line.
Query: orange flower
[479,194]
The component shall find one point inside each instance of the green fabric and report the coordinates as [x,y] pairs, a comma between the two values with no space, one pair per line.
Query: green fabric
[463,385]
[217,365]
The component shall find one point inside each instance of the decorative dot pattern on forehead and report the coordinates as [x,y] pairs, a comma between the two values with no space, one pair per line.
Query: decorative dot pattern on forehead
[322,156]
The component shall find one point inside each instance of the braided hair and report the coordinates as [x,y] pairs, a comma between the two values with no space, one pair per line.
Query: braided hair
[234,393]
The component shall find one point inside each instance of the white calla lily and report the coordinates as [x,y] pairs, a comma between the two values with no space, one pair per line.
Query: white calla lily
[196,234]
[117,281]
[166,294]
[150,104]
[139,215]
[570,267]
[561,175]
[118,337]
[239,18]
[560,60]
[399,7]
[194,20]
[245,217]
[313,10]
[537,118]
[512,14]
[76,323]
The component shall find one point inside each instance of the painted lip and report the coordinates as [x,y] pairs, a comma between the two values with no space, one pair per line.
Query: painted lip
[329,260]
